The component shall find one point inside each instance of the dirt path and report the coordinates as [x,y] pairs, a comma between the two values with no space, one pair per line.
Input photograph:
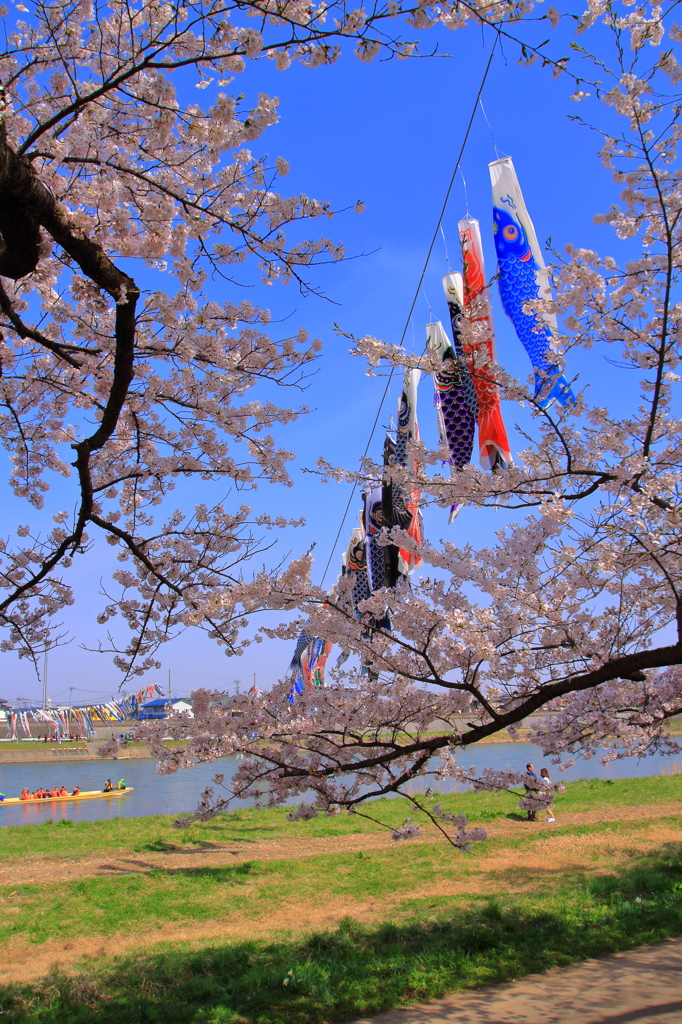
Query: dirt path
[507,870]
[58,869]
[643,986]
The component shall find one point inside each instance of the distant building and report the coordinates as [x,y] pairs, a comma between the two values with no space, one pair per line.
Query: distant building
[159,708]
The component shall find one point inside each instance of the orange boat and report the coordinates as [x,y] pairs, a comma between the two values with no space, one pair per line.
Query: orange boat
[88,794]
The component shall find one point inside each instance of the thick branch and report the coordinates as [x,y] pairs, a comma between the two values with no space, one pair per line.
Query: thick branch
[627,667]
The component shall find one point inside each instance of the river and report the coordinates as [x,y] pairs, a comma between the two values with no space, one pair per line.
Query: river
[179,793]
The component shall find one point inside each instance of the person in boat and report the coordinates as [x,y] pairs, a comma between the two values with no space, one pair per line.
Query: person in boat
[2,797]
[76,791]
[25,793]
[121,784]
[55,792]
[108,787]
[38,795]
[63,791]
[46,794]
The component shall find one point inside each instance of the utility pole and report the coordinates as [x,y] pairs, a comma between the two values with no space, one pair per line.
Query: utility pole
[238,682]
[169,685]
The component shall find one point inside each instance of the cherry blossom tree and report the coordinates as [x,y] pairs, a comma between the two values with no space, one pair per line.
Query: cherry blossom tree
[576,608]
[120,195]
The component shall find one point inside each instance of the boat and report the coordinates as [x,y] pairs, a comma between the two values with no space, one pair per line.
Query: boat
[87,794]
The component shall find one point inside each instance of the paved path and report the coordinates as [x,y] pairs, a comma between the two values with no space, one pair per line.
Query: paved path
[640,987]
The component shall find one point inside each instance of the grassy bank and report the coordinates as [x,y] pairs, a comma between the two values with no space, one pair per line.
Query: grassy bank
[256,890]
[351,971]
[156,832]
[340,932]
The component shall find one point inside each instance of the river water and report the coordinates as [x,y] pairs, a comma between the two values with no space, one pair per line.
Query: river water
[179,793]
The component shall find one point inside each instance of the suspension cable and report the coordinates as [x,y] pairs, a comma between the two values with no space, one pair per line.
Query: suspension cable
[427,260]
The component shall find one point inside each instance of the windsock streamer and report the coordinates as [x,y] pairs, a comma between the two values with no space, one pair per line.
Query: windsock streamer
[405,512]
[454,396]
[301,645]
[377,574]
[314,651]
[297,687]
[374,522]
[306,674]
[393,512]
[522,277]
[493,443]
[356,568]
[296,666]
[400,507]
[319,664]
[307,666]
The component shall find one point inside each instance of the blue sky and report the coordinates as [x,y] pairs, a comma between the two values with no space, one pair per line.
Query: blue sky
[388,134]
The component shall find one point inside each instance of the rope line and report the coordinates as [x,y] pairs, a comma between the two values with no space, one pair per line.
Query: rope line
[418,288]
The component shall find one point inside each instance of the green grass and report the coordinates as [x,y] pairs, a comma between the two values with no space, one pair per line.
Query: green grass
[437,941]
[93,906]
[156,833]
[254,890]
[591,794]
[354,971]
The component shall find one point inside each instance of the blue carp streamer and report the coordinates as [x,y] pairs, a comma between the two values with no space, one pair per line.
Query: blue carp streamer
[522,278]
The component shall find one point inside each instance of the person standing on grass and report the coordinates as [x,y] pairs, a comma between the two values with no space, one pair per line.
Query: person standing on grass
[546,783]
[530,786]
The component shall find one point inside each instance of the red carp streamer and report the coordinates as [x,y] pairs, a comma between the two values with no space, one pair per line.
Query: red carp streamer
[492,435]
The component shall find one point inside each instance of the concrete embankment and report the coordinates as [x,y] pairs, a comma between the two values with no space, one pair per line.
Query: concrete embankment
[34,752]
[23,753]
